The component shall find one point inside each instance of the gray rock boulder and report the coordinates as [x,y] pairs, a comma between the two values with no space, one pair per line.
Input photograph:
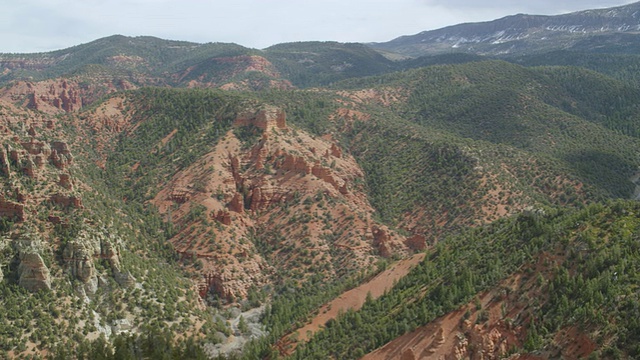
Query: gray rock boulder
[34,274]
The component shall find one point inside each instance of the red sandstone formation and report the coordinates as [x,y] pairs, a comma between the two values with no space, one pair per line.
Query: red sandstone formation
[234,66]
[327,176]
[223,217]
[65,181]
[180,196]
[54,219]
[29,168]
[266,119]
[15,154]
[237,203]
[336,151]
[295,163]
[257,201]
[265,196]
[381,241]
[416,242]
[59,95]
[10,209]
[39,161]
[61,147]
[67,201]
[34,147]
[4,162]
[281,178]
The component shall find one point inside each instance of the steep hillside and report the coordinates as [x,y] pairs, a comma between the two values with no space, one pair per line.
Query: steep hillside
[544,284]
[516,138]
[58,96]
[569,114]
[294,198]
[73,267]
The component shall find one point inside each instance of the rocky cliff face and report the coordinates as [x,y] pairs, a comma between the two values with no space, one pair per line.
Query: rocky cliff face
[492,326]
[52,96]
[11,210]
[293,195]
[81,253]
[38,193]
[33,273]
[60,95]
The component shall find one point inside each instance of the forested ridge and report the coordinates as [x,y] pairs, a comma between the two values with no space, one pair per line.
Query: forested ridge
[600,243]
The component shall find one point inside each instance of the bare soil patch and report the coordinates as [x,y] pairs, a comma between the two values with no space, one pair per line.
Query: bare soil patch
[352,300]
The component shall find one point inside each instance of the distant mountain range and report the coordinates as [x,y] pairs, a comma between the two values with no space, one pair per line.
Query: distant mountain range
[525,34]
[146,60]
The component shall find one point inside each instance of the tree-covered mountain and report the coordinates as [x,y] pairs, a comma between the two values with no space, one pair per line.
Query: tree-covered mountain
[143,55]
[151,61]
[543,284]
[525,34]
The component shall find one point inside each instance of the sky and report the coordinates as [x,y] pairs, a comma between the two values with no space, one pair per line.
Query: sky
[28,26]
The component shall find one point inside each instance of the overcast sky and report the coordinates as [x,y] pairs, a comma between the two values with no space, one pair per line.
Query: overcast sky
[44,25]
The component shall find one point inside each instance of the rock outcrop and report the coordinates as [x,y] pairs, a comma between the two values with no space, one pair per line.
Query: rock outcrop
[4,162]
[59,95]
[326,175]
[266,118]
[33,273]
[61,147]
[124,278]
[180,196]
[29,167]
[264,190]
[11,210]
[67,201]
[34,156]
[265,196]
[237,203]
[227,286]
[416,242]
[223,217]
[257,200]
[34,147]
[65,181]
[294,163]
[39,161]
[80,254]
[14,154]
[381,241]
[336,151]
[61,161]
